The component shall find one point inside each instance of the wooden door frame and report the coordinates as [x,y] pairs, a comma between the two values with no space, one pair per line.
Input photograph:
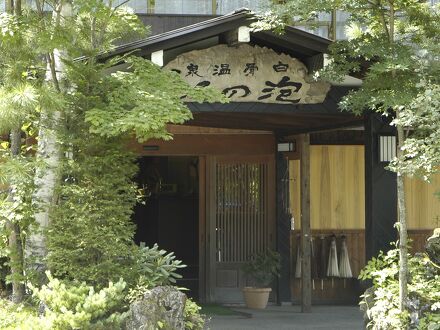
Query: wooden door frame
[210,213]
[202,229]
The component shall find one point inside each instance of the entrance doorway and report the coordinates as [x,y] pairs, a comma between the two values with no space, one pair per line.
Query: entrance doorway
[169,215]
[241,221]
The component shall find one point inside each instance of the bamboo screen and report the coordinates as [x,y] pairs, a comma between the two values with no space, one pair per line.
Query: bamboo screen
[241,210]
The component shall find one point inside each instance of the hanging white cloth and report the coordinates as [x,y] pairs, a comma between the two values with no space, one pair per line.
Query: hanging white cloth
[333,269]
[344,261]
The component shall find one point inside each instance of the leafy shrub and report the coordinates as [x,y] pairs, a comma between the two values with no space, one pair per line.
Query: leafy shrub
[263,268]
[90,235]
[16,316]
[154,267]
[193,319]
[70,306]
[423,293]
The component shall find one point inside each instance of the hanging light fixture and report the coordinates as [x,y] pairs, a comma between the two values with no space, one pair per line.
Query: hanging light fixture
[387,148]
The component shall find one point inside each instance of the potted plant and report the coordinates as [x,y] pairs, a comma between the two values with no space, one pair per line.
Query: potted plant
[261,270]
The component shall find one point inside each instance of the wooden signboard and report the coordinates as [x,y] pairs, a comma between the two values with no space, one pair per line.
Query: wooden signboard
[247,73]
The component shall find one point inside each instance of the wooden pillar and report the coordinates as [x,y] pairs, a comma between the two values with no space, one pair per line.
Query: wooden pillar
[306,276]
[380,191]
[283,228]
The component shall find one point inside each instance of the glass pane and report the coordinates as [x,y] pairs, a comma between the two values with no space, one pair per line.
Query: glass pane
[193,7]
[138,6]
[227,6]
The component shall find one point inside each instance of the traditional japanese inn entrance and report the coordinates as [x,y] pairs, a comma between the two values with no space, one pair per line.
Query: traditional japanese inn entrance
[279,166]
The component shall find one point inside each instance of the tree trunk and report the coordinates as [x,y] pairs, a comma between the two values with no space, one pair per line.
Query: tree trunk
[401,206]
[48,156]
[15,245]
[403,235]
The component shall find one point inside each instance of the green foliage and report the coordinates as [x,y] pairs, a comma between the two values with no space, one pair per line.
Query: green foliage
[15,205]
[423,292]
[394,46]
[194,320]
[263,268]
[141,102]
[13,316]
[78,306]
[154,267]
[90,236]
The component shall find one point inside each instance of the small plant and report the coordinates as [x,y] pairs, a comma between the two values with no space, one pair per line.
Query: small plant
[381,302]
[193,319]
[155,267]
[79,306]
[263,268]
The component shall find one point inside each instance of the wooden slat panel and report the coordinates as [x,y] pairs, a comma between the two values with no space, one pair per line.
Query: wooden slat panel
[337,187]
[242,215]
[423,207]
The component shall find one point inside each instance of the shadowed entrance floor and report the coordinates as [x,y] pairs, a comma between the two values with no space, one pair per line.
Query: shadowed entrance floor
[290,317]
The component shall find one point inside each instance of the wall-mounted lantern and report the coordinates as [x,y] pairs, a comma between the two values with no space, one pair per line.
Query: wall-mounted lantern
[286,146]
[387,148]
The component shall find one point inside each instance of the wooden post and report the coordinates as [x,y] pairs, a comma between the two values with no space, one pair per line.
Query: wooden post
[380,191]
[283,229]
[306,278]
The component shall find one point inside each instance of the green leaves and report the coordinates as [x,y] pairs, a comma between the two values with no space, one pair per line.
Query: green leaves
[394,47]
[263,268]
[16,105]
[78,306]
[154,267]
[142,101]
[90,236]
[423,292]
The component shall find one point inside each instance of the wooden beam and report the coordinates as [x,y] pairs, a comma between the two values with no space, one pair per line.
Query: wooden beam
[380,191]
[283,229]
[306,278]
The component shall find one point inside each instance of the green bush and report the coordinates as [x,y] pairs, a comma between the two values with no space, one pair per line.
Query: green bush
[153,267]
[90,238]
[263,268]
[79,306]
[423,293]
[194,320]
[18,316]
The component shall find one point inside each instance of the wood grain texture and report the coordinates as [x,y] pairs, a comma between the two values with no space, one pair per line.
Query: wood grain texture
[337,186]
[186,129]
[422,206]
[306,276]
[208,144]
[418,239]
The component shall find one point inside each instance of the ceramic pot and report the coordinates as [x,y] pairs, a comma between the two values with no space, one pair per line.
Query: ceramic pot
[256,298]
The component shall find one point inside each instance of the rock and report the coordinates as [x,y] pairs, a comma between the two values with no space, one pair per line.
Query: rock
[161,305]
[433,247]
[366,303]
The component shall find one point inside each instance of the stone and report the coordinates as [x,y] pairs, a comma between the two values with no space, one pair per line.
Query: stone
[161,305]
[366,303]
[433,247]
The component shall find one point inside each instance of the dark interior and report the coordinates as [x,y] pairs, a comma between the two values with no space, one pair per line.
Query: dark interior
[169,215]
